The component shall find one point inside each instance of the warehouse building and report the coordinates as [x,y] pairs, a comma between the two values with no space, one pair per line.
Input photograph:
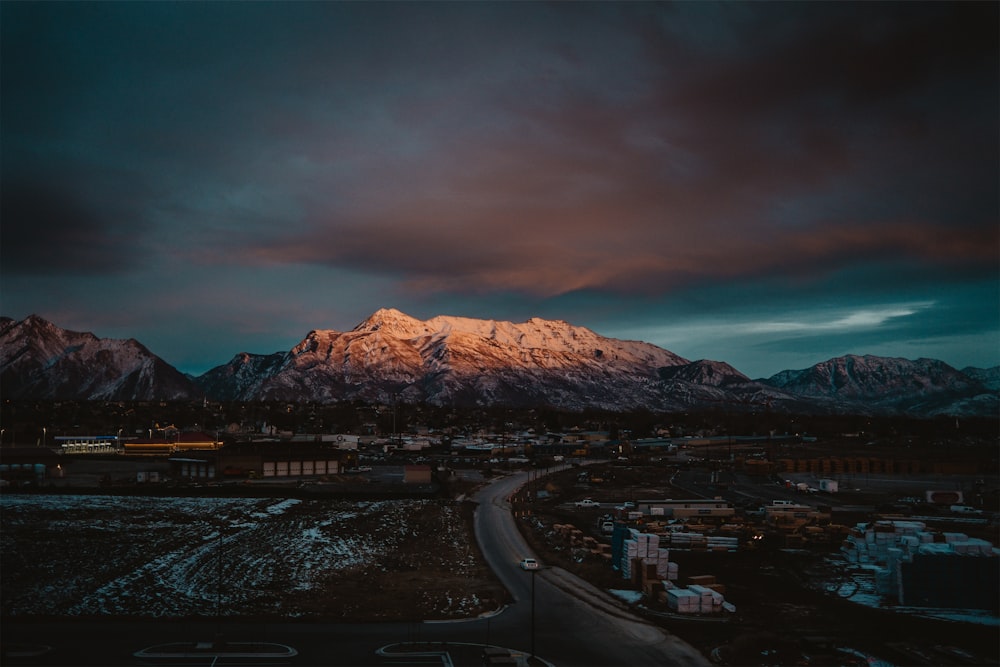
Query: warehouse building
[262,461]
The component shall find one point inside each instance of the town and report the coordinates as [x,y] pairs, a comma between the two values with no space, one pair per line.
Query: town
[681,516]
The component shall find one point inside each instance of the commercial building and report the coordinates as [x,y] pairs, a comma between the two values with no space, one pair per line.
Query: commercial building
[262,461]
[686,508]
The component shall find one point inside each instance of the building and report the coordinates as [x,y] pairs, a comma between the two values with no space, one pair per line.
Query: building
[659,445]
[89,444]
[175,442]
[686,508]
[417,474]
[262,461]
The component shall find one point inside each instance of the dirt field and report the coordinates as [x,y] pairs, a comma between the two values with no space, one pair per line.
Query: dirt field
[89,555]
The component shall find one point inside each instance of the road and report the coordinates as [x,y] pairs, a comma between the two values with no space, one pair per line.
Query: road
[574,623]
[565,620]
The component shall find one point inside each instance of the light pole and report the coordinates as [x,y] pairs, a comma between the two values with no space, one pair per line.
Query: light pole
[533,573]
[44,433]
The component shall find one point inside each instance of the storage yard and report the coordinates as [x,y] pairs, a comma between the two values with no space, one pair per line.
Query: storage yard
[780,583]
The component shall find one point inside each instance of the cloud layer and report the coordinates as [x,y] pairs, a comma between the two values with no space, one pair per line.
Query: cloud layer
[601,163]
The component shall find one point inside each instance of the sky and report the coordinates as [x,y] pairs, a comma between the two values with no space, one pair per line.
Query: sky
[767,184]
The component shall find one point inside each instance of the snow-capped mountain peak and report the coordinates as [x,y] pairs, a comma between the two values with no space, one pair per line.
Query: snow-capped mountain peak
[393,322]
[450,360]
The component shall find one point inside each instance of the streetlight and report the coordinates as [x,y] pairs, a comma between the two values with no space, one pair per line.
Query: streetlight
[533,573]
[44,432]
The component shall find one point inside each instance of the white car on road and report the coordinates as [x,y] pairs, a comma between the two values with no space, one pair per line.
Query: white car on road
[529,564]
[587,502]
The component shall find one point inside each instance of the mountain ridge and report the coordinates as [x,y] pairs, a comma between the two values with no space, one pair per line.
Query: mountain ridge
[39,359]
[452,360]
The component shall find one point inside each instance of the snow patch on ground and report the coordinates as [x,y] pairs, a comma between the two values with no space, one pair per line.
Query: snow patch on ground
[632,597]
[173,557]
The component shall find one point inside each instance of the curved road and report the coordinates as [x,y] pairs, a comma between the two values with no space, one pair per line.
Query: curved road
[575,624]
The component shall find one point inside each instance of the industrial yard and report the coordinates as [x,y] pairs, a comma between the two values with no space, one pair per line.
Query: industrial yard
[769,584]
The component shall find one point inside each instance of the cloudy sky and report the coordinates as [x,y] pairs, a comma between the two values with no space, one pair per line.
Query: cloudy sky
[766,184]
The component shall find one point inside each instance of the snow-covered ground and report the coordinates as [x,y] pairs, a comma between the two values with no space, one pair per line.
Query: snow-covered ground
[175,557]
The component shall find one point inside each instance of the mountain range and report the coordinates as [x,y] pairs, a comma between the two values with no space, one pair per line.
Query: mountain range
[461,361]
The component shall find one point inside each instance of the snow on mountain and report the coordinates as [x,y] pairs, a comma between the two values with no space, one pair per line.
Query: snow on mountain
[922,386]
[242,376]
[40,360]
[988,377]
[714,373]
[554,336]
[460,361]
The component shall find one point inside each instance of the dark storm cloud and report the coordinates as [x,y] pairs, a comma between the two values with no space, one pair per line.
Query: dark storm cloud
[48,229]
[897,98]
[595,162]
[808,145]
